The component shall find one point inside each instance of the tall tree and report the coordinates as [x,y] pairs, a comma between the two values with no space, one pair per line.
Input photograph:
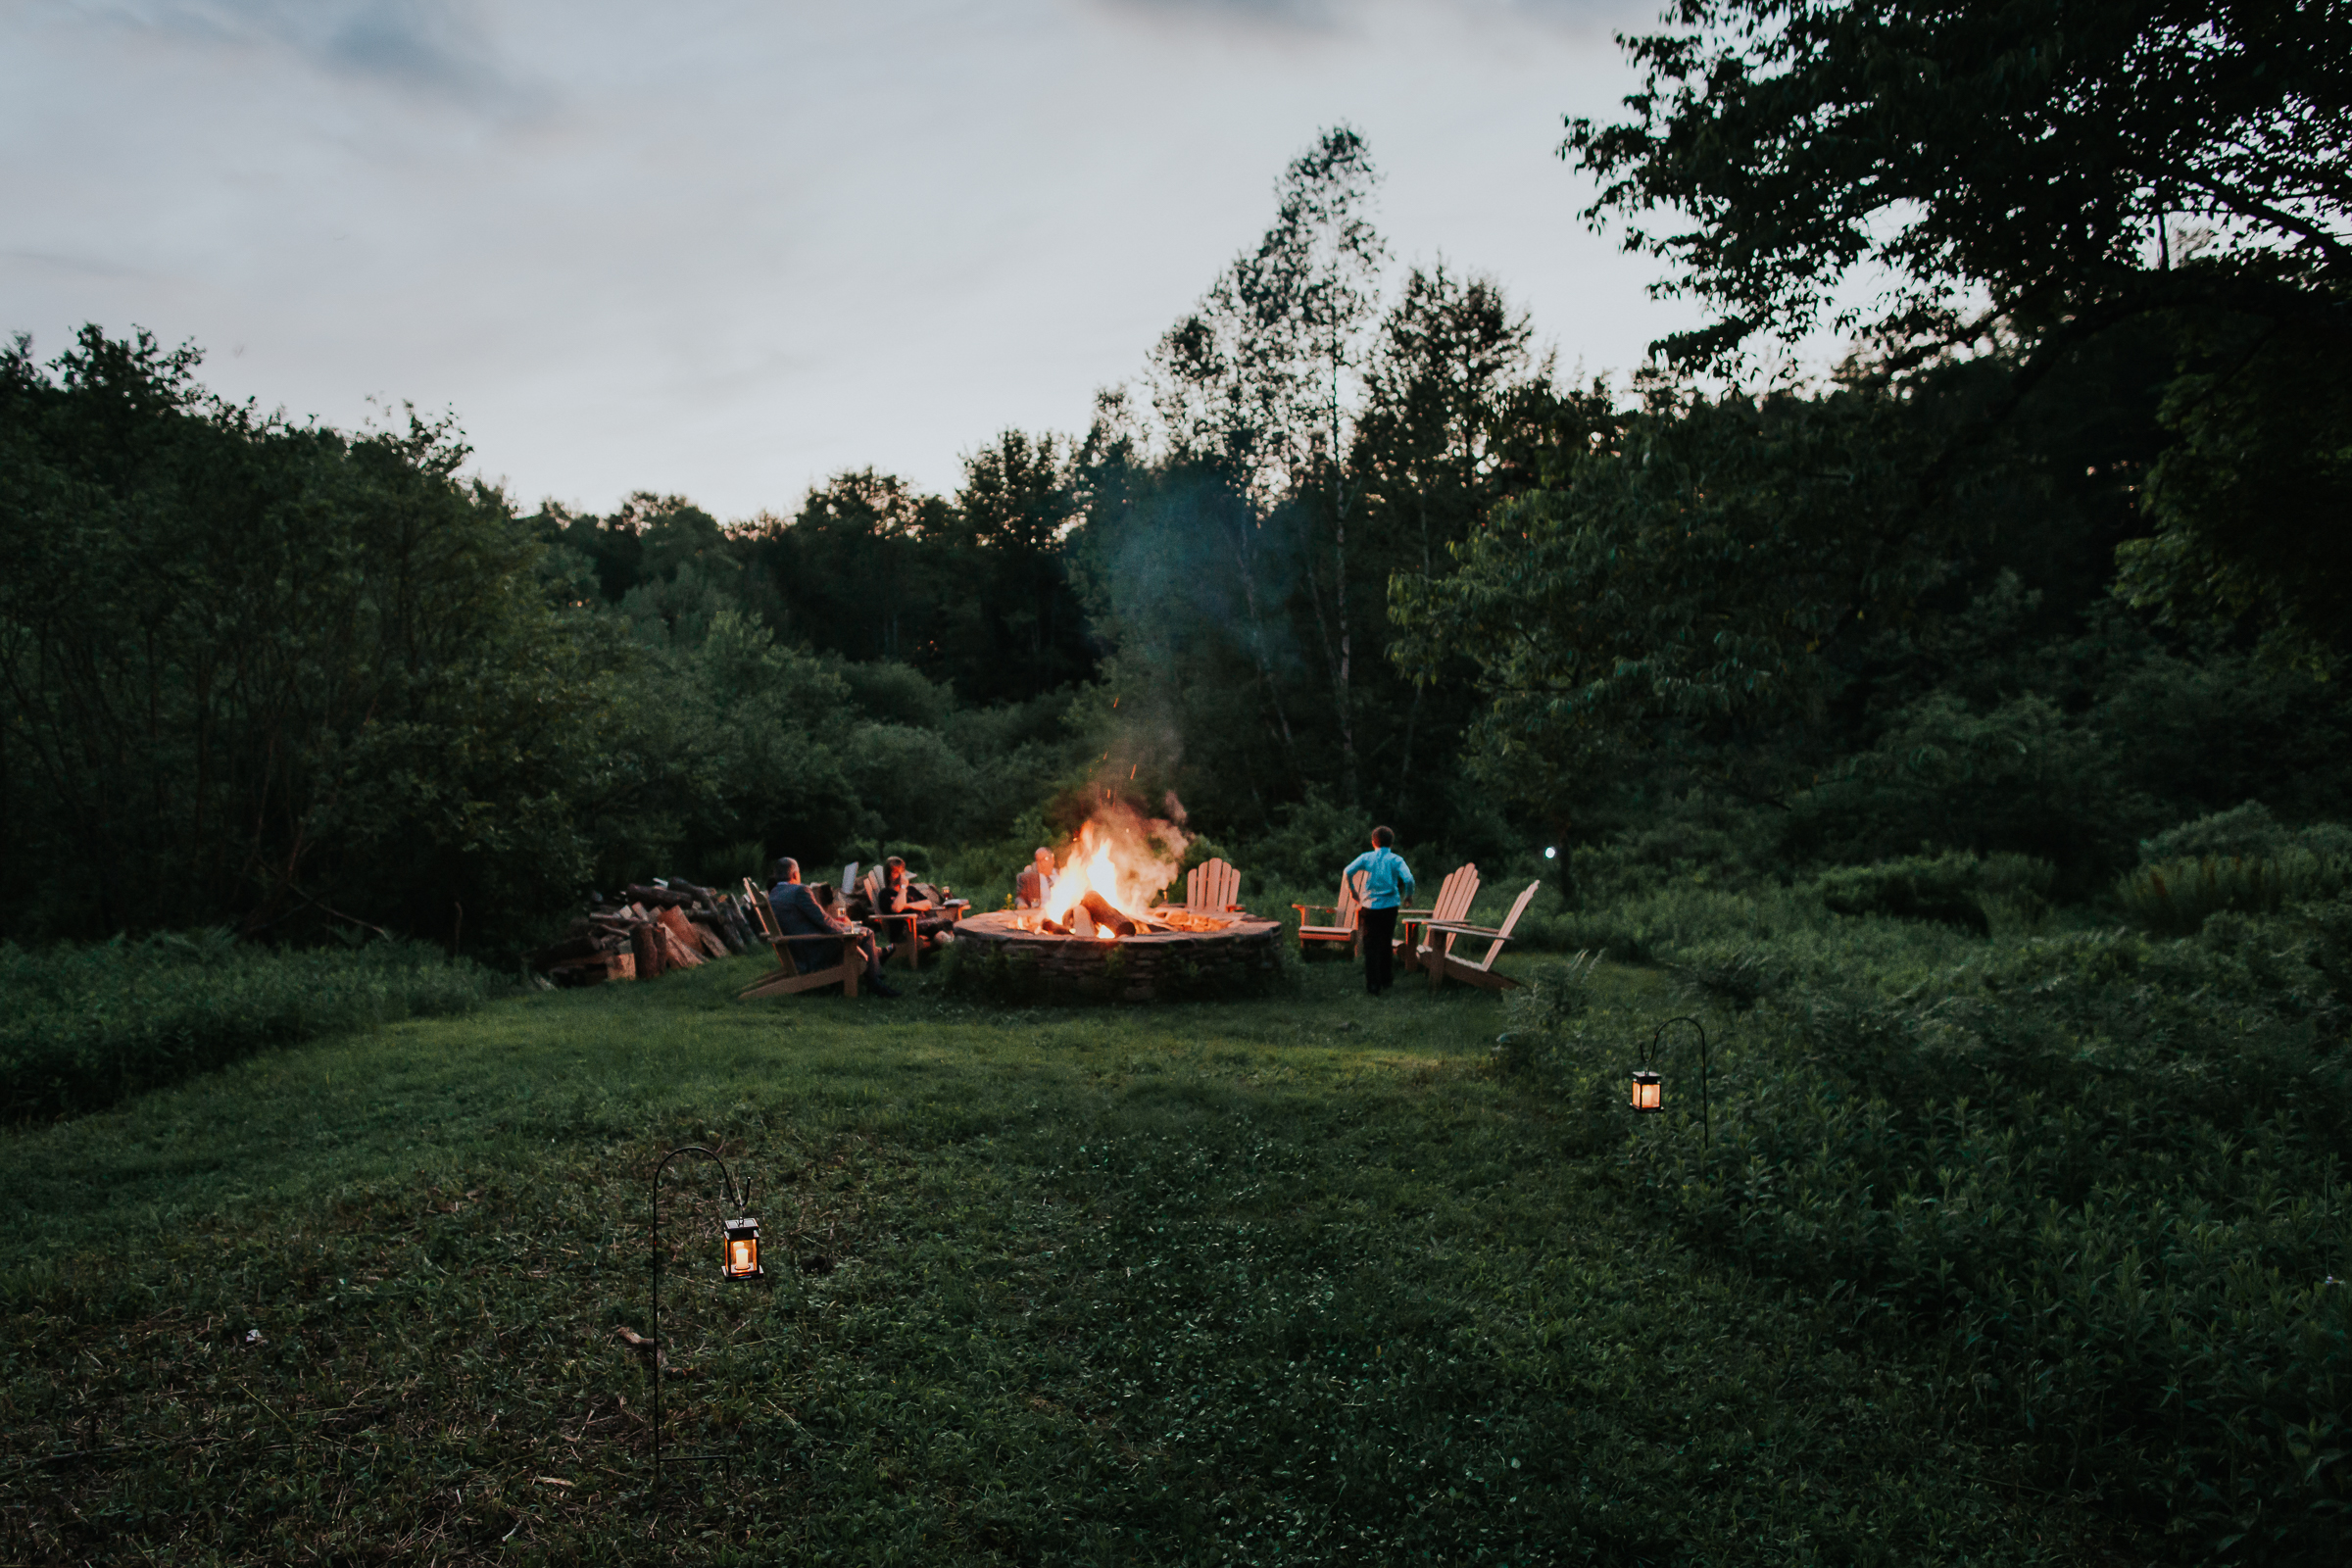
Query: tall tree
[1018,502]
[1428,455]
[2039,172]
[1259,380]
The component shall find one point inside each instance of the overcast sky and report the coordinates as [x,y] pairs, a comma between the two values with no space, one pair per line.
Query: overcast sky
[729,249]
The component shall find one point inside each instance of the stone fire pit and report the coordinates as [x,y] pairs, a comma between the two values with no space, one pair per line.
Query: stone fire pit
[1005,952]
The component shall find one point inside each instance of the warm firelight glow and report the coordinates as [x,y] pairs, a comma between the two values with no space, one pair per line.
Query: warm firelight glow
[1126,857]
[740,1259]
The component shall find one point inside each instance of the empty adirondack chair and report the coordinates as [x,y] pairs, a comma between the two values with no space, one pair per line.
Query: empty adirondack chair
[903,925]
[1342,928]
[787,978]
[1454,897]
[1212,888]
[1438,959]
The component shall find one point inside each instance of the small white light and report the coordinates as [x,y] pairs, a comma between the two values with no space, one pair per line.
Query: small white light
[1550,853]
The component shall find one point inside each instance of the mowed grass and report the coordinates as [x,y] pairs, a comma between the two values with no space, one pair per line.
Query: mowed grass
[1302,1280]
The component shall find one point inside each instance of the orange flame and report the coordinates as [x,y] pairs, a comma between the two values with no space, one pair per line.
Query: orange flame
[1124,856]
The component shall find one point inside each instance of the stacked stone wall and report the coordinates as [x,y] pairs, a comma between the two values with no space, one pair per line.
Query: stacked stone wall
[996,957]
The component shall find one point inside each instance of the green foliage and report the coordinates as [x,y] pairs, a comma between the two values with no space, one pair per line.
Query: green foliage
[1315,838]
[2018,779]
[89,1026]
[1683,578]
[2178,896]
[2107,1171]
[2084,169]
[2029,150]
[1958,888]
[2263,423]
[268,673]
[2248,831]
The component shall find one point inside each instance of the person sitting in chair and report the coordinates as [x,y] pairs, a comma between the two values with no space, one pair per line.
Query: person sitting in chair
[800,914]
[1029,889]
[892,893]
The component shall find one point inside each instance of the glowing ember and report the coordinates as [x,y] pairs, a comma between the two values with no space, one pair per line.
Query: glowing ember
[1122,858]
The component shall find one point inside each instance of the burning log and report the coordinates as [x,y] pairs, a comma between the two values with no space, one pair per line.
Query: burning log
[1105,917]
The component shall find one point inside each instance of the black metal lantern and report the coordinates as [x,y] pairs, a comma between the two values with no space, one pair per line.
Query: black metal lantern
[1649,1090]
[741,1261]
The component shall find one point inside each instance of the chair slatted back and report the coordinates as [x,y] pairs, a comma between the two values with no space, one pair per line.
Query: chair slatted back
[1351,899]
[1502,933]
[755,898]
[1455,898]
[1210,886]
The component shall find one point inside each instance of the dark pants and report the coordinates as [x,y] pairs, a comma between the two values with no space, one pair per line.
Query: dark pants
[1376,929]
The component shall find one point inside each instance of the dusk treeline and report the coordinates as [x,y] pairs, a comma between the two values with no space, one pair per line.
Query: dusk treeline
[1347,548]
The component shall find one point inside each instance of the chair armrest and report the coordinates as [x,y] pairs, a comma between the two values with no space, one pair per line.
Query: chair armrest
[1460,930]
[1304,910]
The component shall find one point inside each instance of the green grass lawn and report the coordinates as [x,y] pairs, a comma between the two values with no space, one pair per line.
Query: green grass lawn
[1300,1280]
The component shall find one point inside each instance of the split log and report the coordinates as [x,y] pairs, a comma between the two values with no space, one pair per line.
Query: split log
[705,932]
[684,934]
[1106,913]
[649,951]
[740,934]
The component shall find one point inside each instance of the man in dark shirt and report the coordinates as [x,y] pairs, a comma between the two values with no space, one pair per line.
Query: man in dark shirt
[799,915]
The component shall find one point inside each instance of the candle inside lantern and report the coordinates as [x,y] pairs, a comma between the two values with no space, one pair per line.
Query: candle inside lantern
[1649,1090]
[741,1259]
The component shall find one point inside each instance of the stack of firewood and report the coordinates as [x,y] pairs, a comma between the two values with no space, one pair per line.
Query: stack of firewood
[647,933]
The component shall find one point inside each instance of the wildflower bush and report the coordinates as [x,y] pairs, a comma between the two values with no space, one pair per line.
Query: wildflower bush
[85,1024]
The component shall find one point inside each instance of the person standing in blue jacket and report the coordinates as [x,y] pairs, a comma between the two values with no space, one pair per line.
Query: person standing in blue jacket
[1388,883]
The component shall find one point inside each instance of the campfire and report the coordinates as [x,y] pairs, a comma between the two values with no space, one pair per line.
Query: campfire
[1119,864]
[1103,935]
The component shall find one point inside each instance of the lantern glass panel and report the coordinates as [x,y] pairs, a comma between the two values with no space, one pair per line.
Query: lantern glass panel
[741,1258]
[1649,1090]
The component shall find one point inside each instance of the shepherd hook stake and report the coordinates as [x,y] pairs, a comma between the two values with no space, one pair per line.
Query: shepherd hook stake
[1706,1117]
[743,1204]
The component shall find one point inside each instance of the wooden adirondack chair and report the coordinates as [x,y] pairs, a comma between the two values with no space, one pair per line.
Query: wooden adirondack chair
[786,978]
[1454,897]
[910,943]
[1212,888]
[1343,915]
[1443,966]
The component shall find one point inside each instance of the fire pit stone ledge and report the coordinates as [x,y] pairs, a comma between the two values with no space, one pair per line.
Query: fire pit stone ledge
[1243,956]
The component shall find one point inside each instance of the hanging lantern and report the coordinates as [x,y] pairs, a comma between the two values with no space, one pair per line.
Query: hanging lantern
[741,1261]
[1649,1090]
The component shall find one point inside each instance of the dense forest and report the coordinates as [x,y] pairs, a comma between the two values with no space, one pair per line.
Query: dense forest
[2053,562]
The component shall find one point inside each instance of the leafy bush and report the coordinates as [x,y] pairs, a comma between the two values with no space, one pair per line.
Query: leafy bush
[2019,778]
[1957,888]
[85,1025]
[2248,832]
[1316,838]
[2179,894]
[2108,1170]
